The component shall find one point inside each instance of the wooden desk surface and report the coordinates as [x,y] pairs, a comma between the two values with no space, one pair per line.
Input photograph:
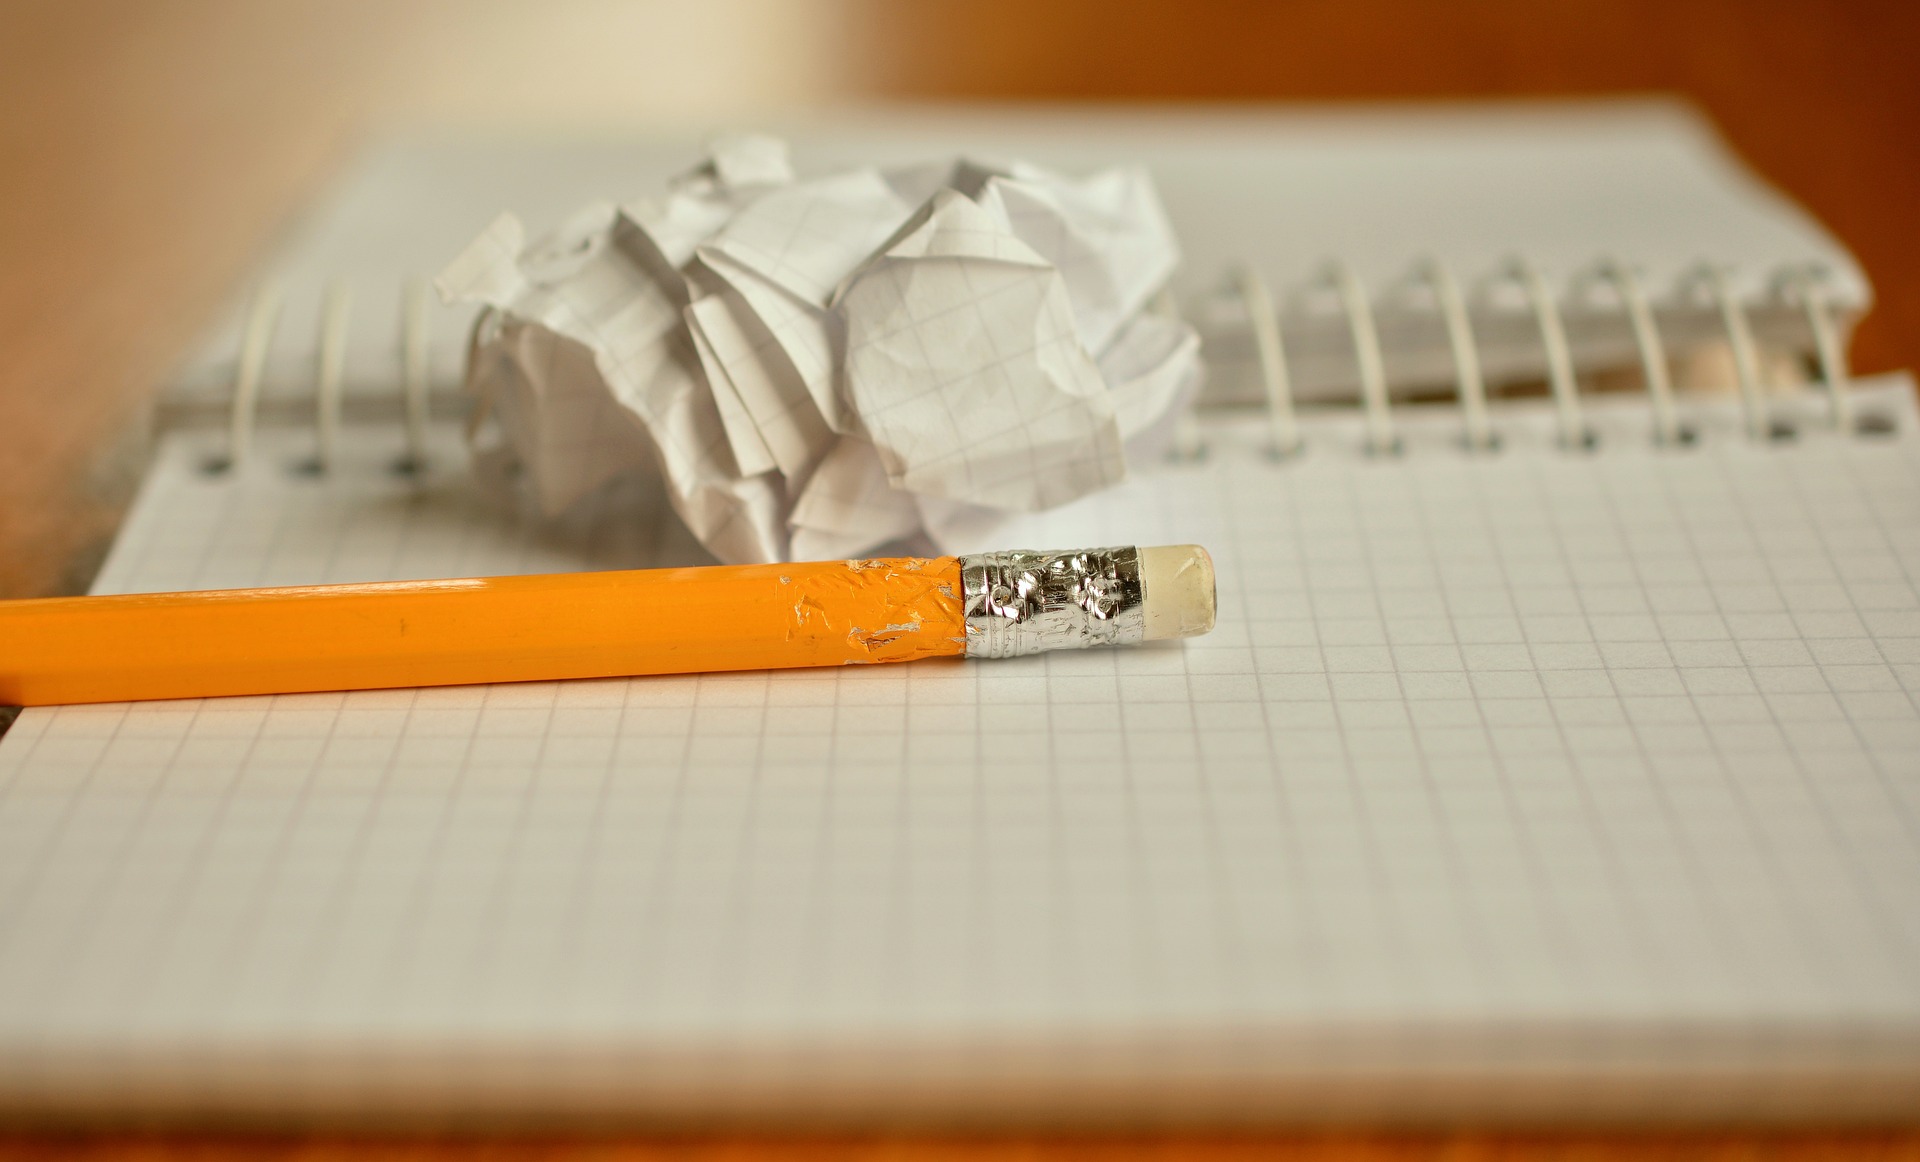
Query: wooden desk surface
[1463,1146]
[146,151]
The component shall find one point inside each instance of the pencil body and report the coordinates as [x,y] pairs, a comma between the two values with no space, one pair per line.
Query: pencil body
[495,629]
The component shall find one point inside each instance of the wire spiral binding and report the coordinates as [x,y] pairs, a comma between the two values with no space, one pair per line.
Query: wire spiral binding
[1372,366]
[1471,386]
[263,313]
[414,380]
[1432,283]
[336,312]
[1281,421]
[1807,285]
[334,317]
[1667,428]
[1574,432]
[1428,284]
[1712,280]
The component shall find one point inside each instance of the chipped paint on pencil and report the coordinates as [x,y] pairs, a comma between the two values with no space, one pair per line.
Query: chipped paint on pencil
[882,609]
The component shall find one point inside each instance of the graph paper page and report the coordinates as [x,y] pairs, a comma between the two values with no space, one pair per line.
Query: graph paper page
[1531,740]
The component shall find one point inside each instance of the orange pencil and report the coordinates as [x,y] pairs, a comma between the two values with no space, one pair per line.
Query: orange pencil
[595,625]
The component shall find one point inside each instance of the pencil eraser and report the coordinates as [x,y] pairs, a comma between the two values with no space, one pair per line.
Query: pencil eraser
[1177,591]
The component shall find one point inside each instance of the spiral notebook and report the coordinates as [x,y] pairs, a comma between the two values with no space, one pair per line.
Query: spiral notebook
[1553,758]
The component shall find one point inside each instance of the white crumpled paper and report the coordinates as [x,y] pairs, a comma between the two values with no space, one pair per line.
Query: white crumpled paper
[821,367]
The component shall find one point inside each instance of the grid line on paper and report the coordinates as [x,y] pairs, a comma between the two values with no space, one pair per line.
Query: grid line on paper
[71,940]
[1367,598]
[304,981]
[1629,901]
[1315,980]
[1812,941]
[1888,917]
[1709,915]
[1226,928]
[1500,584]
[172,912]
[1905,810]
[1376,897]
[27,889]
[1480,927]
[394,961]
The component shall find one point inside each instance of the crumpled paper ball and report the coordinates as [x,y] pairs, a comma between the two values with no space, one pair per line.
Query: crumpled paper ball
[818,368]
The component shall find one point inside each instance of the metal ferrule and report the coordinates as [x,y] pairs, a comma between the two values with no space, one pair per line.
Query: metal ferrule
[1020,602]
